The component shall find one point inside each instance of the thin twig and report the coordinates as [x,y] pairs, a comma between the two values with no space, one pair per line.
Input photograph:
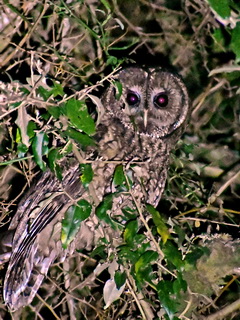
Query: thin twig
[221,314]
[210,221]
[28,34]
[48,306]
[136,300]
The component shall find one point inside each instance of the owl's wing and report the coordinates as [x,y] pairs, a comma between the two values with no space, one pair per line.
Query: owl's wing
[36,242]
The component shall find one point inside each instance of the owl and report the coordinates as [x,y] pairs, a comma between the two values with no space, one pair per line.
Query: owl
[137,130]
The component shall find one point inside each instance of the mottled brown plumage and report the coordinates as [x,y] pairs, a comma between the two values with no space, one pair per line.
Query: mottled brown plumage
[139,130]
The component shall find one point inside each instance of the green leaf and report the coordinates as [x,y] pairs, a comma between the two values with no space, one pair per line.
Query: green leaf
[171,295]
[181,235]
[173,255]
[165,292]
[127,253]
[143,266]
[44,93]
[45,116]
[188,148]
[129,213]
[24,90]
[31,128]
[40,148]
[18,136]
[145,259]
[118,87]
[106,5]
[81,138]
[133,253]
[86,174]
[103,208]
[21,150]
[139,240]
[166,317]
[159,223]
[130,231]
[72,221]
[100,251]
[119,176]
[219,42]
[53,156]
[221,7]
[111,60]
[235,42]
[79,117]
[120,278]
[54,111]
[179,285]
[57,89]
[196,253]
[14,105]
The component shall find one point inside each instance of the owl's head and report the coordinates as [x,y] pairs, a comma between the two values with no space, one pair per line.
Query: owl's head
[153,102]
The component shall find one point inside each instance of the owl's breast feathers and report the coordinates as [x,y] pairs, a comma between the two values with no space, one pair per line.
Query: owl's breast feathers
[144,158]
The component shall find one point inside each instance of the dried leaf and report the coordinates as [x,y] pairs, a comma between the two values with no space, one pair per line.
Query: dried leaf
[22,122]
[111,292]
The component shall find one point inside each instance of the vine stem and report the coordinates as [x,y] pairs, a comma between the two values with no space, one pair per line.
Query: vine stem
[160,252]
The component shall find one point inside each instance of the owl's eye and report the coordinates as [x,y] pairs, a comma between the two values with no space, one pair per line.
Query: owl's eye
[133,98]
[160,100]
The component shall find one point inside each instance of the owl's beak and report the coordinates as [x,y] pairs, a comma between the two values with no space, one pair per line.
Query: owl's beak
[145,118]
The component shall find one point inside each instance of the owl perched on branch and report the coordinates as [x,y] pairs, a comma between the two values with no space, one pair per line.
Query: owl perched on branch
[136,130]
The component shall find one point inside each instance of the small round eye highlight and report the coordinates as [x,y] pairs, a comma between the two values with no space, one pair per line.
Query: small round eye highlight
[160,100]
[133,98]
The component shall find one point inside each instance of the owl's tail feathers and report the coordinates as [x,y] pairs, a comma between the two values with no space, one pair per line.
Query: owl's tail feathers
[24,277]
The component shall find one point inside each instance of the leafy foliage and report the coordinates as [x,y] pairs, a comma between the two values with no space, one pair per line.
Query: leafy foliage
[72,221]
